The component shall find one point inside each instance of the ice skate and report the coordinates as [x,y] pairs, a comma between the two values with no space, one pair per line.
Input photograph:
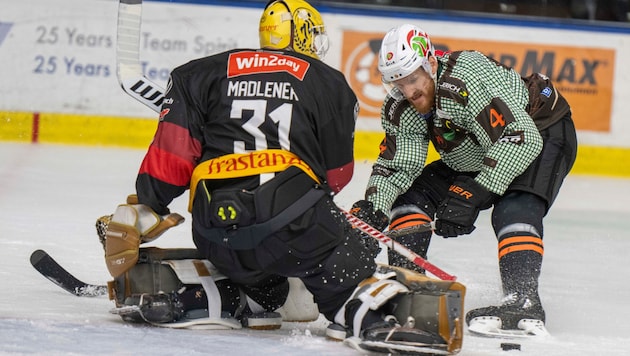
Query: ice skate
[518,316]
[151,308]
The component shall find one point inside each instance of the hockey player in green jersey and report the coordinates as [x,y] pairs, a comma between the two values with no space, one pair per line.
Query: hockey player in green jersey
[504,141]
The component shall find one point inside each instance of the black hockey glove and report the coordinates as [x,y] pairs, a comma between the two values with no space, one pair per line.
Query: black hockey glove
[457,213]
[364,210]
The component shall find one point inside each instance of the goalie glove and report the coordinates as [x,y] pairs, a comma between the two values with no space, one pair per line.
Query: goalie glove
[364,210]
[131,225]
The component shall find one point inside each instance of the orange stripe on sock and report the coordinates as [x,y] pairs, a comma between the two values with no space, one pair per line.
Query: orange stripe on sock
[408,221]
[520,243]
[520,240]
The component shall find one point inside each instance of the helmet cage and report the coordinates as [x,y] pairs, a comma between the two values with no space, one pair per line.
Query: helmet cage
[309,34]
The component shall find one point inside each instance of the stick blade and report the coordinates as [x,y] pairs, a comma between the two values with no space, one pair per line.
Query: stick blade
[51,270]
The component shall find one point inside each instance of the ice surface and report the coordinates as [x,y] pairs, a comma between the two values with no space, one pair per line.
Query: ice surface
[50,197]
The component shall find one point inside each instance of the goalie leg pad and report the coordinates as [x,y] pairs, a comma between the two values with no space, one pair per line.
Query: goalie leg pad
[177,288]
[154,272]
[371,294]
[436,306]
[427,308]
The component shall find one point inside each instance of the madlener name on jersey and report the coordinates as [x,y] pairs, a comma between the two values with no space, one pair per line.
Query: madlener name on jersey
[257,88]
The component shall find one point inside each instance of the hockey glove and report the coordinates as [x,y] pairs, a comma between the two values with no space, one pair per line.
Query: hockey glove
[131,225]
[457,213]
[364,210]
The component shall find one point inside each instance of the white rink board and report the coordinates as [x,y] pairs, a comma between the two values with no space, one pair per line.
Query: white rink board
[59,55]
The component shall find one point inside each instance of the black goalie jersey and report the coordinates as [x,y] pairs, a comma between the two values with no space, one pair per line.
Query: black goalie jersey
[249,100]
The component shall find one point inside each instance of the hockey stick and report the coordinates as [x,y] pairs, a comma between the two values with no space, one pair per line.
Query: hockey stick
[399,248]
[134,83]
[129,70]
[50,269]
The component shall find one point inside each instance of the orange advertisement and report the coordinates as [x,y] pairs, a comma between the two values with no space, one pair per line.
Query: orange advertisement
[584,75]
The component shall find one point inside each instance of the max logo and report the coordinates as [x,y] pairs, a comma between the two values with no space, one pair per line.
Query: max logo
[571,70]
[460,191]
[5,28]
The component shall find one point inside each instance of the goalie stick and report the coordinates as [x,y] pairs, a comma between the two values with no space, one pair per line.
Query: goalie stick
[129,69]
[50,269]
[138,86]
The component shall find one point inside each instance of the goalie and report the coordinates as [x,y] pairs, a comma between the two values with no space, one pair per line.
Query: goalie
[263,138]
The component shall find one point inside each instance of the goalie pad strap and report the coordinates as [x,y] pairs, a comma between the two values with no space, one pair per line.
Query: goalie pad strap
[373,293]
[212,292]
[373,298]
[168,222]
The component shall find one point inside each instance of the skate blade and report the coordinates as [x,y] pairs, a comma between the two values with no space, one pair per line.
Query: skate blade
[490,326]
[203,324]
[406,348]
[196,324]
[125,310]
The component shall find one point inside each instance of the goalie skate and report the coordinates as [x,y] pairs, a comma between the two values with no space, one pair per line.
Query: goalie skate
[490,326]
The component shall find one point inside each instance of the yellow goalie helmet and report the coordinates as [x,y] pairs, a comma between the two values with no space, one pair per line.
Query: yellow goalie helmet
[294,25]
